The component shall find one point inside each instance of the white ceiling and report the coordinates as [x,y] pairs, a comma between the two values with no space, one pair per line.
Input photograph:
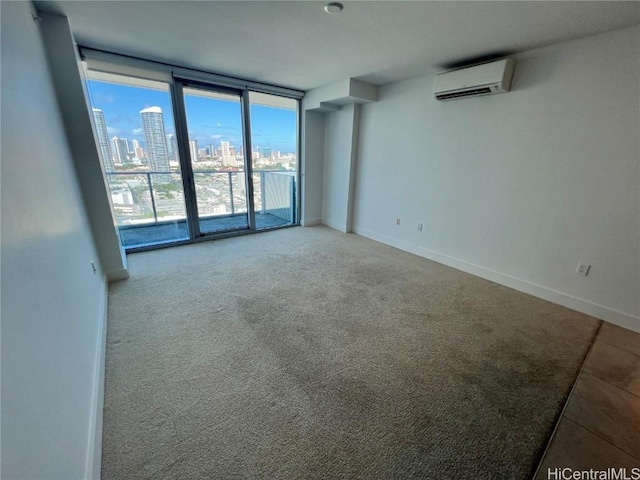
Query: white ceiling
[296,44]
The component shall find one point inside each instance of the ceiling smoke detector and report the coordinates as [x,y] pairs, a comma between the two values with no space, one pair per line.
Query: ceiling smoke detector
[333,7]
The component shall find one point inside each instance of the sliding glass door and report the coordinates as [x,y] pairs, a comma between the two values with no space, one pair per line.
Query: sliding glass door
[184,159]
[274,140]
[217,160]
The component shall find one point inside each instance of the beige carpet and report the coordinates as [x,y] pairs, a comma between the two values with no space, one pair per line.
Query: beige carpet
[305,353]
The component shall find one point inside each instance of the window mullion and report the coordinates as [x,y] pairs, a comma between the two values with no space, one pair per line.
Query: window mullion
[182,137]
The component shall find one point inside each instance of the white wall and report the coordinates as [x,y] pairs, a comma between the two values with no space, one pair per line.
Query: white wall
[52,303]
[330,122]
[64,67]
[518,187]
[340,135]
[312,167]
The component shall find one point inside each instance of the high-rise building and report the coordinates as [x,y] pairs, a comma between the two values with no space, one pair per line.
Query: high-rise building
[121,149]
[138,152]
[154,135]
[193,150]
[227,159]
[103,139]
[172,147]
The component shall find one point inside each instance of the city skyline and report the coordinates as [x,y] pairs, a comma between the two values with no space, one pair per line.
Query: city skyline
[272,128]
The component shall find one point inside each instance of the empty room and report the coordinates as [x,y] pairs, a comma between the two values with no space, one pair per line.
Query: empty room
[312,239]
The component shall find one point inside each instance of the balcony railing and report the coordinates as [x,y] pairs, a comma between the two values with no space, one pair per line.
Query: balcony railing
[147,198]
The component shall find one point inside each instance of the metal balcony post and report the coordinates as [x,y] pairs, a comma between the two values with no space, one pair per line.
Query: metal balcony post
[153,202]
[292,198]
[233,210]
[262,195]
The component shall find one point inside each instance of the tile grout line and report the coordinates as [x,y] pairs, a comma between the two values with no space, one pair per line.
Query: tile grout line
[595,433]
[609,383]
[566,403]
[621,348]
[601,438]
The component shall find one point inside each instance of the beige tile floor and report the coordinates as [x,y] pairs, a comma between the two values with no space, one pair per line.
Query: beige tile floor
[600,426]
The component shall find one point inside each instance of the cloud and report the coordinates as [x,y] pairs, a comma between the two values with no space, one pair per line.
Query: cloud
[113,130]
[104,98]
[136,131]
[216,137]
[220,127]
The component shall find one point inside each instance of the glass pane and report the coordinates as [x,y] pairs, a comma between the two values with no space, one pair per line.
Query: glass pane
[274,140]
[136,137]
[214,121]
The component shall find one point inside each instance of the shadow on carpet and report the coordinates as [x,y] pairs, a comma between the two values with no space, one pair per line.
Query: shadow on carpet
[306,353]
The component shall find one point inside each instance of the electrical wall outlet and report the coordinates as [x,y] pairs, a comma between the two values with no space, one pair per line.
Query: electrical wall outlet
[583,269]
[397,221]
[419,227]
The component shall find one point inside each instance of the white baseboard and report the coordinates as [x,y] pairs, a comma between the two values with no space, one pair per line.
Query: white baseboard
[118,275]
[335,224]
[310,221]
[595,310]
[94,455]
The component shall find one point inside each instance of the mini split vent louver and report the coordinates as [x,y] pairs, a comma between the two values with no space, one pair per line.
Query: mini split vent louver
[485,79]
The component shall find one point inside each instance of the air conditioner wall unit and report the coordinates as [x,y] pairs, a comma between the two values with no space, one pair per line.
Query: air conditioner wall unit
[485,79]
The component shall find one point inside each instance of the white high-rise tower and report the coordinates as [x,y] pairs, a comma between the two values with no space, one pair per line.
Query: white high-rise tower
[154,135]
[193,149]
[138,152]
[228,160]
[103,139]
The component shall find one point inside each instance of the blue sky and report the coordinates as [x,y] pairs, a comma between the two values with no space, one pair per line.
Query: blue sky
[210,121]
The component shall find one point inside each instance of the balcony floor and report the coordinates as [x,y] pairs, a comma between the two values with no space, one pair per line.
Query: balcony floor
[173,231]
